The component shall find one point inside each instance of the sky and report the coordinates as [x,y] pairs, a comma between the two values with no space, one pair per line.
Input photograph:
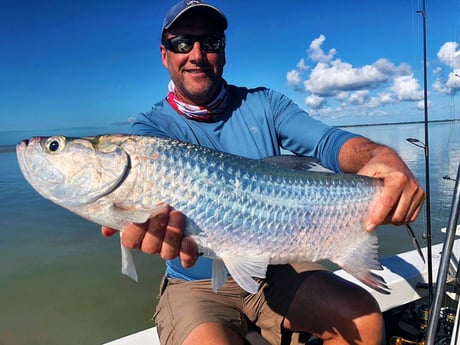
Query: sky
[92,62]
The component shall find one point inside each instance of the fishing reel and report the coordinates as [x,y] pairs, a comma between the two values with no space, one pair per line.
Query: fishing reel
[444,329]
[402,341]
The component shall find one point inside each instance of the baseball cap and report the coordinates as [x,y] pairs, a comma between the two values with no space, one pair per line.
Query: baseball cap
[186,5]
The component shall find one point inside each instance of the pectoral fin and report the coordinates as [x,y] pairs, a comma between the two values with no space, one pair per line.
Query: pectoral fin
[243,269]
[219,274]
[132,215]
[127,263]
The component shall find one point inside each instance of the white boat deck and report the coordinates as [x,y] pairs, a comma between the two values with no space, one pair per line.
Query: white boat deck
[402,273]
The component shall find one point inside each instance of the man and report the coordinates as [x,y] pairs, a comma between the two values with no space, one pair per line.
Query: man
[203,109]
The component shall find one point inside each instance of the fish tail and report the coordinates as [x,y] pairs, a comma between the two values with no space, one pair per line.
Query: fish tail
[362,259]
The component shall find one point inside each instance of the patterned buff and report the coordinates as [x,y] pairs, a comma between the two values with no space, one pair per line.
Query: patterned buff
[199,113]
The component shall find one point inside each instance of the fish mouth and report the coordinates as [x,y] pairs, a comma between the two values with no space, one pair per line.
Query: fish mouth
[21,149]
[22,145]
[32,161]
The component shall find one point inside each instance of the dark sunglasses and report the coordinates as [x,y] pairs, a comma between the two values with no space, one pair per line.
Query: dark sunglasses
[183,44]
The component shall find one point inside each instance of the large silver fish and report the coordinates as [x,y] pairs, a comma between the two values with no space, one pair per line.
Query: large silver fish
[243,213]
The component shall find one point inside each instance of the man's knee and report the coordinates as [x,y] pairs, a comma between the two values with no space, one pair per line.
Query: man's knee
[333,308]
[367,320]
[213,333]
[361,301]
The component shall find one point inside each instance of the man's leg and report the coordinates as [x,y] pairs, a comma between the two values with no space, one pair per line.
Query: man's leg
[337,311]
[191,313]
[213,333]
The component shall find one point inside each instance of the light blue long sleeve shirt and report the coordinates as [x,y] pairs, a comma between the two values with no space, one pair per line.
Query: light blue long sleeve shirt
[257,123]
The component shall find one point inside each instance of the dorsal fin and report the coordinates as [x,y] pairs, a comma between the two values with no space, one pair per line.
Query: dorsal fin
[293,162]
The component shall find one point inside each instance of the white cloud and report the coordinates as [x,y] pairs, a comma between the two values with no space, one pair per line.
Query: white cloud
[369,86]
[386,98]
[407,88]
[359,97]
[293,77]
[316,53]
[440,86]
[449,55]
[330,79]
[342,95]
[453,81]
[301,65]
[373,102]
[315,102]
[421,104]
[387,67]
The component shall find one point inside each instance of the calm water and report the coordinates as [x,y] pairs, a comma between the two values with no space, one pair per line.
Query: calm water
[60,280]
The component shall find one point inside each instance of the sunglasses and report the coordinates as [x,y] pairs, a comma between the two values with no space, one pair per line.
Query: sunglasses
[183,44]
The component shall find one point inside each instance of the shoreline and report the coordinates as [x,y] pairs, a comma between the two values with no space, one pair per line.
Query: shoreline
[8,148]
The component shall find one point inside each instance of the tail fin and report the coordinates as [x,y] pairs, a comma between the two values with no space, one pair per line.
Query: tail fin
[361,259]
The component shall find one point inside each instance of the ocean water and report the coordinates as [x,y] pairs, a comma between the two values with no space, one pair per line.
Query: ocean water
[60,280]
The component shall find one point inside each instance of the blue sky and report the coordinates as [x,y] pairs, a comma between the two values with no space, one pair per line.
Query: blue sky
[91,63]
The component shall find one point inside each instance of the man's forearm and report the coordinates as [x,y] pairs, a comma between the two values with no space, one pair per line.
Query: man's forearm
[357,152]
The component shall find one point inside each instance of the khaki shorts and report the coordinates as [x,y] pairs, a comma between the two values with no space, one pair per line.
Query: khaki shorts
[185,305]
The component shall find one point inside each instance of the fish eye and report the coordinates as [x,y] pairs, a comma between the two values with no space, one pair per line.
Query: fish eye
[55,144]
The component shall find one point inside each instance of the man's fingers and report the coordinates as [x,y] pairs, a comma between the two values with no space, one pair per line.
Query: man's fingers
[408,208]
[155,232]
[417,205]
[133,235]
[173,235]
[188,252]
[107,232]
[418,208]
[400,202]
[163,234]
[380,212]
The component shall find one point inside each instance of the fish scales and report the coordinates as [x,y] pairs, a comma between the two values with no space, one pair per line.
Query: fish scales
[243,213]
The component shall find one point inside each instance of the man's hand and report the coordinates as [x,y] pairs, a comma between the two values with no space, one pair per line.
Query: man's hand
[162,234]
[402,197]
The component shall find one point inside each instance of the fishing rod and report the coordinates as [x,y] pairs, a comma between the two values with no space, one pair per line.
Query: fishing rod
[425,146]
[435,305]
[444,264]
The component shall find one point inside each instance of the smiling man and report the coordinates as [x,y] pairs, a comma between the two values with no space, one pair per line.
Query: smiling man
[201,108]
[195,73]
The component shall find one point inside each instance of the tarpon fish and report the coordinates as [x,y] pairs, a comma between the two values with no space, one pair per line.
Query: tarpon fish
[243,213]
